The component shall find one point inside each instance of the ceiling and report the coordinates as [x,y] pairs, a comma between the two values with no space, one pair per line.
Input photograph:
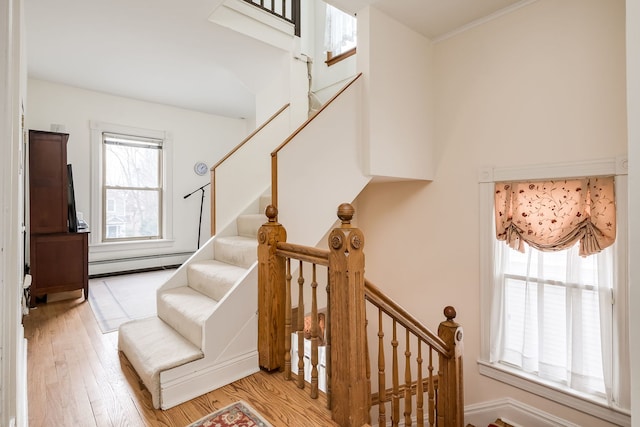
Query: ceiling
[166,51]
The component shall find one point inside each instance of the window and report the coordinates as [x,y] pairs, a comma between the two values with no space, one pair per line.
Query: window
[132,178]
[131,187]
[555,323]
[553,303]
[340,38]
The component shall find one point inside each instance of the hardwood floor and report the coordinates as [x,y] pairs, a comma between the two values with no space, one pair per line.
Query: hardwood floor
[76,377]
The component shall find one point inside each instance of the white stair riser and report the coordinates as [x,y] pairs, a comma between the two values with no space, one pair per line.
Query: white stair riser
[186,311]
[248,225]
[213,278]
[236,250]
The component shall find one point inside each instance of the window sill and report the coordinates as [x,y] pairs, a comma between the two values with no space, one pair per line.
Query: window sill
[581,402]
[134,245]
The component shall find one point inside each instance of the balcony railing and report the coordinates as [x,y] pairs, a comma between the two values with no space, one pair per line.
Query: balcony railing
[289,10]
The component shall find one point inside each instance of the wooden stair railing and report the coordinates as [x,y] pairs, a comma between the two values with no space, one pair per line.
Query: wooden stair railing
[348,367]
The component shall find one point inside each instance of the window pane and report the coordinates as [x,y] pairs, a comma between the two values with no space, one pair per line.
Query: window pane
[552,317]
[128,166]
[139,216]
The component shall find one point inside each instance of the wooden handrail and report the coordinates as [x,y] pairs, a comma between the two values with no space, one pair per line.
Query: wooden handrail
[303,253]
[231,153]
[274,153]
[374,295]
[251,135]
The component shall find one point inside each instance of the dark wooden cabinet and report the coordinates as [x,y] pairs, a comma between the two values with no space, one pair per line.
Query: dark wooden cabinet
[48,182]
[59,263]
[58,259]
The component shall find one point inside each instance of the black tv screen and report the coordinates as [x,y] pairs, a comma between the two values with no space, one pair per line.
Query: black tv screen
[71,202]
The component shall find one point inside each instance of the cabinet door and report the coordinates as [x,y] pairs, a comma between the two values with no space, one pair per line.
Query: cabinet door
[59,262]
[48,209]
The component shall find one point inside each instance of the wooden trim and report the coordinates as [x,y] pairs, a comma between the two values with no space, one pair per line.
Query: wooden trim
[331,59]
[374,295]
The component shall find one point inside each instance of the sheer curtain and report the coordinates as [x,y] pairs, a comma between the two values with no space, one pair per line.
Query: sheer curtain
[340,31]
[555,311]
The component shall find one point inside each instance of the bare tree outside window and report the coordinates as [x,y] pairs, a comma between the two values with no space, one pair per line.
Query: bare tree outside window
[132,188]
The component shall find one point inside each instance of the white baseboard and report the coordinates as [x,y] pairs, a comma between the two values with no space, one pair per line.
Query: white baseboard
[206,379]
[512,412]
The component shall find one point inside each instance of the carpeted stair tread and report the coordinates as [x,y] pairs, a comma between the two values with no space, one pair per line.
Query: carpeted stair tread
[186,310]
[249,224]
[213,278]
[152,346]
[237,250]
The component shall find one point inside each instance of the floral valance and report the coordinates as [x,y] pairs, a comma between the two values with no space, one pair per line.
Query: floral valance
[554,215]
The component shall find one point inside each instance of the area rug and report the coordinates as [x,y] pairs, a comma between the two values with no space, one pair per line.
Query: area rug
[118,299]
[238,414]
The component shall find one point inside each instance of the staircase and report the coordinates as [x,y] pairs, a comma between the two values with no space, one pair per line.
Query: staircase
[205,333]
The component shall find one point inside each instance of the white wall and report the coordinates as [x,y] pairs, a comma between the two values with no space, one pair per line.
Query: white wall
[545,83]
[196,136]
[399,121]
[633,112]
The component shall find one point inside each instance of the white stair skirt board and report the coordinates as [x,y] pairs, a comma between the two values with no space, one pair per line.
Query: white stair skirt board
[209,308]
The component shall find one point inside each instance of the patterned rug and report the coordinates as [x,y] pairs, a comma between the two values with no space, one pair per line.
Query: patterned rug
[238,414]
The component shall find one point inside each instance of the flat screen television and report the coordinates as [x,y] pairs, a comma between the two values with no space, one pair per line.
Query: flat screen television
[71,202]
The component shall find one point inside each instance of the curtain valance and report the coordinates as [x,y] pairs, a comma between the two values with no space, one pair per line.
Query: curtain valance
[554,215]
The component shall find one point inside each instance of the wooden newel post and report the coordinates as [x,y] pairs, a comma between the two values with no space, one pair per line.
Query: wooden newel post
[451,391]
[271,293]
[349,386]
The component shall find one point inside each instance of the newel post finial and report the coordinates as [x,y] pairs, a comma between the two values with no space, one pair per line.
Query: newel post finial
[272,213]
[345,213]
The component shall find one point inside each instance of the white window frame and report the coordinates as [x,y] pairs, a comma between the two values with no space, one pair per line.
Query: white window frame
[97,245]
[487,178]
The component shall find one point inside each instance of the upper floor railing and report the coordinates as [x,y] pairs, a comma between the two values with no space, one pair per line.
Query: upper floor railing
[289,10]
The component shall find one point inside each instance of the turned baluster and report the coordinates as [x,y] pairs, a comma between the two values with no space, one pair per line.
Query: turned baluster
[382,392]
[287,322]
[395,397]
[431,391]
[314,336]
[419,389]
[327,342]
[407,381]
[300,332]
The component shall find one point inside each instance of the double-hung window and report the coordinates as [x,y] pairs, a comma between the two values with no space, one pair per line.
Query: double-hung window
[131,188]
[132,180]
[554,285]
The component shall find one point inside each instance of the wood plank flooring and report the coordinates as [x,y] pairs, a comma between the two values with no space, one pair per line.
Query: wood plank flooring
[77,377]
